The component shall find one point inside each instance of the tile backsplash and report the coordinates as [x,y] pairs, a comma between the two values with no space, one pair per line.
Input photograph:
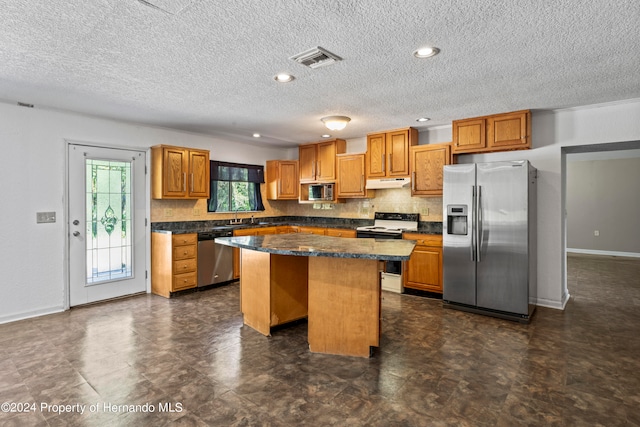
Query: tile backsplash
[389,200]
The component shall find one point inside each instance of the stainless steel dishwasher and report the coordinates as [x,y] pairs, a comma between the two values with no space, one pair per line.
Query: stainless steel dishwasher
[215,262]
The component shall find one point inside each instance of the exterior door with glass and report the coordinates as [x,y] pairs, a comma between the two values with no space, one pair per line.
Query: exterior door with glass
[106,223]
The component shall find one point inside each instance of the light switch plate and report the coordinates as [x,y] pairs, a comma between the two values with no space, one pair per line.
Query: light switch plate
[45,217]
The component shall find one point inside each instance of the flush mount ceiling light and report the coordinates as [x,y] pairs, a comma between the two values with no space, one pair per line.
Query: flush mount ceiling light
[326,135]
[283,78]
[335,122]
[426,52]
[423,119]
[256,135]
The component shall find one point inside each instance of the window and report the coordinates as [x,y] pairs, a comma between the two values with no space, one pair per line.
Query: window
[235,187]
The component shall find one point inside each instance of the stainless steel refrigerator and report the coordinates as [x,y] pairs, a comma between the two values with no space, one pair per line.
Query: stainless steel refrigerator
[489,238]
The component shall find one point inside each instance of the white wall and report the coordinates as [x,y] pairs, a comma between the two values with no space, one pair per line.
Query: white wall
[32,179]
[603,195]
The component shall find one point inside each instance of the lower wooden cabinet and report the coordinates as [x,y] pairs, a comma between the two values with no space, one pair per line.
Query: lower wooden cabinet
[424,270]
[340,232]
[312,230]
[174,262]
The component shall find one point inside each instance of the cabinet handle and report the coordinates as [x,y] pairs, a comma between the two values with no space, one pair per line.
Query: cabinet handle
[361,182]
[318,170]
[184,181]
[313,170]
[384,157]
[413,181]
[192,183]
[389,163]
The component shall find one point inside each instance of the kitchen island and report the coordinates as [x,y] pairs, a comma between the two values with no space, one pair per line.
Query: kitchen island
[334,282]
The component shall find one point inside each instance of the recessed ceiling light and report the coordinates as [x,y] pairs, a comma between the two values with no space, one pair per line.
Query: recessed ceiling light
[283,78]
[326,135]
[256,135]
[423,119]
[426,52]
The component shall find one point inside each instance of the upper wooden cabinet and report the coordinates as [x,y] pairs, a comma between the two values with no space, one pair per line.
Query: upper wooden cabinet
[427,164]
[388,153]
[352,176]
[499,132]
[179,173]
[317,161]
[282,180]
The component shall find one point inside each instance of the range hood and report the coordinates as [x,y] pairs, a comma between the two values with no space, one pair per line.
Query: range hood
[373,184]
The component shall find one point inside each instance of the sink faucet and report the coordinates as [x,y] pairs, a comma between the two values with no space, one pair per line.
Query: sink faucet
[235,219]
[252,221]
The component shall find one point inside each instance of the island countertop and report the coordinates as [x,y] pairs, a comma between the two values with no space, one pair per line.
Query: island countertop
[302,244]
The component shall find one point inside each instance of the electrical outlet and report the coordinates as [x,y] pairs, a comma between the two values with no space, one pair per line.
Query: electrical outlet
[196,212]
[425,211]
[596,232]
[168,212]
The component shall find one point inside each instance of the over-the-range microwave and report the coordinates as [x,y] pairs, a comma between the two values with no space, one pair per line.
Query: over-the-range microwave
[321,192]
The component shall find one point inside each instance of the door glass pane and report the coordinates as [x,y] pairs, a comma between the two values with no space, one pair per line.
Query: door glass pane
[108,219]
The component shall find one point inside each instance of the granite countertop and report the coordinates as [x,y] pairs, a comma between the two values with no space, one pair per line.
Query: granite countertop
[315,245]
[183,227]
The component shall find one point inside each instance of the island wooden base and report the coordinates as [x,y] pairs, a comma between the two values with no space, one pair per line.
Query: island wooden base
[273,289]
[341,297]
[344,306]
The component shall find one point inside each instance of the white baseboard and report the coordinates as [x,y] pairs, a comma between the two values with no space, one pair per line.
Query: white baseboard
[30,314]
[604,253]
[558,305]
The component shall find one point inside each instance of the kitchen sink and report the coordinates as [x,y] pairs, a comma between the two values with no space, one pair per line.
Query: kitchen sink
[224,227]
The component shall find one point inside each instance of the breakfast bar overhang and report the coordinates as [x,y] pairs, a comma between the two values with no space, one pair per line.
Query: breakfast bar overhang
[332,281]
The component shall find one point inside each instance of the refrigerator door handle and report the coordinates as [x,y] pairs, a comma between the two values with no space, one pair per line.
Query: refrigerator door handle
[473,223]
[479,224]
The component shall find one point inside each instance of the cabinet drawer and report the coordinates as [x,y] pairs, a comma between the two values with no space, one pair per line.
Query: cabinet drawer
[185,281]
[184,239]
[424,239]
[185,265]
[184,252]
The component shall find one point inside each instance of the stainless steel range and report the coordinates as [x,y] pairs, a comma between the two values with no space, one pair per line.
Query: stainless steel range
[390,225]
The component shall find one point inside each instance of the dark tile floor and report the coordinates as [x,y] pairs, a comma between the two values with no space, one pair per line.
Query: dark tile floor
[435,367]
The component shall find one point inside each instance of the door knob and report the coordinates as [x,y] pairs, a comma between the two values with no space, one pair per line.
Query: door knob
[76,233]
[76,222]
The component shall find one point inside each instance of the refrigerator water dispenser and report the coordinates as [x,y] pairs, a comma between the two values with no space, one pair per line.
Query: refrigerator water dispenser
[457,219]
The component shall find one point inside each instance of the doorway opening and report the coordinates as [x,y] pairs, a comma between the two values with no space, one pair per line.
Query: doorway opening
[600,205]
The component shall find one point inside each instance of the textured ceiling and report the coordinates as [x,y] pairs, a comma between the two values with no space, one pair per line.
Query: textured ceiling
[208,67]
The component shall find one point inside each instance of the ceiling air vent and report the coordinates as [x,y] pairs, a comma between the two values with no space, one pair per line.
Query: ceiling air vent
[316,57]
